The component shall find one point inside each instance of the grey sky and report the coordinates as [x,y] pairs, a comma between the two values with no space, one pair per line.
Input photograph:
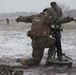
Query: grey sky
[8,6]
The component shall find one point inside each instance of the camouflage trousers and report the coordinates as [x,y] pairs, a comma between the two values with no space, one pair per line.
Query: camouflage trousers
[38,46]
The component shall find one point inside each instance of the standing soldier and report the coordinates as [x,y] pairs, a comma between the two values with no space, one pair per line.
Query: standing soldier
[7,21]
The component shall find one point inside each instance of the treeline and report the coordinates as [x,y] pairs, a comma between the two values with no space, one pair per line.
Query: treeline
[72,13]
[13,16]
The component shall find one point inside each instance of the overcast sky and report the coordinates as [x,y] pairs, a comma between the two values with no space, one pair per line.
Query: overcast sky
[8,6]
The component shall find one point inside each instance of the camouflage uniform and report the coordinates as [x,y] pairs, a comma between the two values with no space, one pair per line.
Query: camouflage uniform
[40,43]
[26,19]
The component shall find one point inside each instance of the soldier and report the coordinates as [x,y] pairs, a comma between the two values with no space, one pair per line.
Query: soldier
[7,21]
[40,35]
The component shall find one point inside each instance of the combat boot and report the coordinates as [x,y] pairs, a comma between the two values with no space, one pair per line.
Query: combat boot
[23,62]
[48,60]
[49,57]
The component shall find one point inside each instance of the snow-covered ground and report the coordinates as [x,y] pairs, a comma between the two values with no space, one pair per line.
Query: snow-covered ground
[14,44]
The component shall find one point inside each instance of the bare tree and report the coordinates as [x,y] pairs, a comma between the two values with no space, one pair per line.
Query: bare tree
[64,8]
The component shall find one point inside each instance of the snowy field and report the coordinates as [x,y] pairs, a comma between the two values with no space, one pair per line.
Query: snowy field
[15,44]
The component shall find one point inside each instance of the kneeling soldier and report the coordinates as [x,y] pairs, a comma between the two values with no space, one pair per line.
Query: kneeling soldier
[40,35]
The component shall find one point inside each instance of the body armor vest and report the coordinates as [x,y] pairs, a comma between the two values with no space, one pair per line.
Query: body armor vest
[38,28]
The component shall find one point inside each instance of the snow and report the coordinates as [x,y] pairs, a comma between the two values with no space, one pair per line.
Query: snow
[69,43]
[13,43]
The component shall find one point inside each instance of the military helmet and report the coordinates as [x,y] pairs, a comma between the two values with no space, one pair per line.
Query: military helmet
[52,12]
